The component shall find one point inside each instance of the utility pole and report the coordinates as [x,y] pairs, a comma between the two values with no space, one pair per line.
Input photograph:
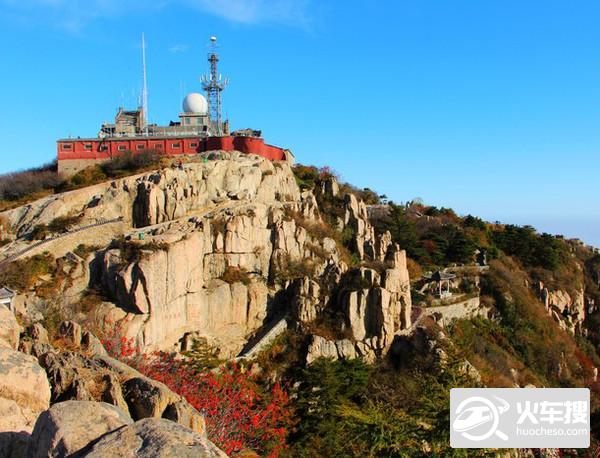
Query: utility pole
[145,88]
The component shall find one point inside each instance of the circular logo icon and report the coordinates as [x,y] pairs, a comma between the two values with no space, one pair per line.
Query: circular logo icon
[477,418]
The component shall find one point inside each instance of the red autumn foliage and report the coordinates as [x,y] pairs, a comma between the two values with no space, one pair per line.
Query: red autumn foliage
[115,343]
[239,415]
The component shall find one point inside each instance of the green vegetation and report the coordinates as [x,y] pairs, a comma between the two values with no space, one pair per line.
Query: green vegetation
[133,251]
[529,247]
[21,187]
[82,250]
[351,409]
[438,237]
[58,225]
[126,164]
[290,268]
[202,356]
[23,274]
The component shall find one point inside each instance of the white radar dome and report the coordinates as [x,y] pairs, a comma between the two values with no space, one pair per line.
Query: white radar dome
[195,103]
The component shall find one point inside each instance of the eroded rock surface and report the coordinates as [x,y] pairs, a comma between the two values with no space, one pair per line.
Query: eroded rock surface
[154,438]
[67,427]
[24,391]
[10,329]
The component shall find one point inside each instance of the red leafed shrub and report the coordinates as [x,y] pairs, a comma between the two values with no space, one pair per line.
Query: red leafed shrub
[114,343]
[239,415]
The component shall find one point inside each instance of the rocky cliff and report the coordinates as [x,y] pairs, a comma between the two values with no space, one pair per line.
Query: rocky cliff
[218,249]
[56,402]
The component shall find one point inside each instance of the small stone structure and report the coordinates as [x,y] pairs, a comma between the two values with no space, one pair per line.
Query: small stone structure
[6,297]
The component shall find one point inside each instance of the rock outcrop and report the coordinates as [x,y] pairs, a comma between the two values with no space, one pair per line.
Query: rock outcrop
[566,309]
[219,249]
[10,330]
[181,282]
[154,438]
[91,395]
[155,197]
[68,427]
[374,298]
[24,391]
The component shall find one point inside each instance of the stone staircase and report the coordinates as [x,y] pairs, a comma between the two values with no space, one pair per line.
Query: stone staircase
[263,339]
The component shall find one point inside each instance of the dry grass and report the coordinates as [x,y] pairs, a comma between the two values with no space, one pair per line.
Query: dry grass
[218,225]
[234,274]
[23,274]
[291,268]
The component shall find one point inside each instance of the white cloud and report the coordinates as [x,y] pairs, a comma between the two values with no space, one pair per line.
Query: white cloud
[179,48]
[74,15]
[290,12]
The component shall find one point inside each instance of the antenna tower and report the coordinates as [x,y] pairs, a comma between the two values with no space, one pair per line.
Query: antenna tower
[213,84]
[145,88]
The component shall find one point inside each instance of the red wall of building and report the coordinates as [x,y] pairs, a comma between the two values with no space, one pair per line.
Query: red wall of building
[249,145]
[99,149]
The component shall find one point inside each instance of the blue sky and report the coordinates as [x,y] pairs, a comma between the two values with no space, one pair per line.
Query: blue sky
[490,107]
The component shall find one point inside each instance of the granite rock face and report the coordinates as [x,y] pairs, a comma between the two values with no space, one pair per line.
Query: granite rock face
[375,302]
[217,250]
[68,427]
[154,438]
[24,391]
[181,282]
[568,310]
[10,329]
[155,197]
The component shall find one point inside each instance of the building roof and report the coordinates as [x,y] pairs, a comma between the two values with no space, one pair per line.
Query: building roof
[439,276]
[125,138]
[6,293]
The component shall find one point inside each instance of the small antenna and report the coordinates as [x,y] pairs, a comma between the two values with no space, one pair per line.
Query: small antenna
[145,89]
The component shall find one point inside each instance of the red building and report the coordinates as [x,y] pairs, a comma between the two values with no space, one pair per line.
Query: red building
[200,128]
[76,154]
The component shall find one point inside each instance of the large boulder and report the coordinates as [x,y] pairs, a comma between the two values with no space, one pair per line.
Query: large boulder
[148,398]
[9,329]
[72,376]
[24,391]
[14,445]
[71,332]
[68,427]
[154,438]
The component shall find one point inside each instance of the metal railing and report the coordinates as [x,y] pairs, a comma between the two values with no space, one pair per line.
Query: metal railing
[17,255]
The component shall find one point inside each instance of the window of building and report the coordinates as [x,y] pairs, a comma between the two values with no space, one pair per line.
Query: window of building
[67,146]
[103,148]
[176,145]
[193,145]
[87,146]
[122,148]
[158,146]
[139,147]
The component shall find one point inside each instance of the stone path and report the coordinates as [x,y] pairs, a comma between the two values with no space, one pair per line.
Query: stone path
[44,242]
[274,331]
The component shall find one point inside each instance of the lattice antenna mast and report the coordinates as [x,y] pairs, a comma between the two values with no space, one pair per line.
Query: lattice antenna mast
[213,84]
[145,88]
